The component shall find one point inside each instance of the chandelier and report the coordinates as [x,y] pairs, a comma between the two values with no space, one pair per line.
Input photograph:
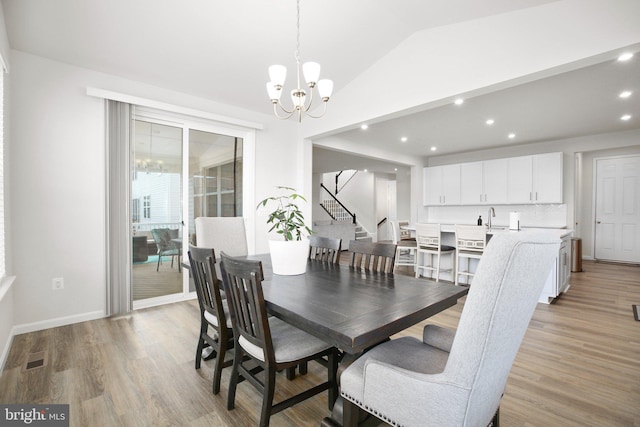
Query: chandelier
[311,71]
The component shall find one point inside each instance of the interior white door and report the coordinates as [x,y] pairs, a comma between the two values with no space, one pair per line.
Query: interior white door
[617,228]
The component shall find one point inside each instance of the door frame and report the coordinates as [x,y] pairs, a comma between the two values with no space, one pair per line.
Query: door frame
[594,200]
[187,123]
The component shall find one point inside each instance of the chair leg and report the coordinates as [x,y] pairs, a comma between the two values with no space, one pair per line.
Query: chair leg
[438,268]
[217,370]
[158,266]
[267,398]
[303,368]
[456,270]
[199,349]
[332,368]
[233,381]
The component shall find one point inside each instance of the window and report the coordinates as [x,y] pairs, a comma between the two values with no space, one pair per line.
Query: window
[146,200]
[135,210]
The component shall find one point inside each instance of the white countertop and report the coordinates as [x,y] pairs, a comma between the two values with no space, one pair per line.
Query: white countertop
[451,228]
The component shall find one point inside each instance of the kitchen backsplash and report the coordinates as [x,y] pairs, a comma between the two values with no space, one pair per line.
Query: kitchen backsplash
[552,216]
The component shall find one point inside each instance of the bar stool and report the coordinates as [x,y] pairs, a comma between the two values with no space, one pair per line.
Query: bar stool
[470,243]
[406,249]
[428,238]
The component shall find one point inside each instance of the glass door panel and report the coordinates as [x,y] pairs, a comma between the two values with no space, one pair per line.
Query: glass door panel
[215,176]
[156,217]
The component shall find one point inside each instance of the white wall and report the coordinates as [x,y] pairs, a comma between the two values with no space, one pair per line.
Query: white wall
[57,205]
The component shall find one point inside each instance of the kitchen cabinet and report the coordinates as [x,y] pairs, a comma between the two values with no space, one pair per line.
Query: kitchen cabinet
[535,179]
[558,280]
[483,182]
[442,185]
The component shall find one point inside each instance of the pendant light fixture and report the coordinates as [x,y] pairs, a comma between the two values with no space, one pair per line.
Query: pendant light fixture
[311,72]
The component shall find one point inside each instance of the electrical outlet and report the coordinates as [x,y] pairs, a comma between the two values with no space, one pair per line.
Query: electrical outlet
[57,283]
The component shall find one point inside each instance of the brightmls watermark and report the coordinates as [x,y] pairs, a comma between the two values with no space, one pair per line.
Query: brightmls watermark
[34,415]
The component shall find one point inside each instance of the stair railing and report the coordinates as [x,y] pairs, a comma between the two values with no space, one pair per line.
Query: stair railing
[353,173]
[331,214]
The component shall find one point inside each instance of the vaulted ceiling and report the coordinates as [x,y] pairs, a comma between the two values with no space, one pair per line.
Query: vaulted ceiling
[221,50]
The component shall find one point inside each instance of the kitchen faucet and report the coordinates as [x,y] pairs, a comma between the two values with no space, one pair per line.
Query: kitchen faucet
[492,213]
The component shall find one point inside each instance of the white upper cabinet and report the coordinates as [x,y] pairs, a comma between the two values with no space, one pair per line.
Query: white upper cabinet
[547,178]
[515,181]
[442,185]
[484,182]
[535,179]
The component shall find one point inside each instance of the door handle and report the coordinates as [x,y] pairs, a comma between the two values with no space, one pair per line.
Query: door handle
[597,222]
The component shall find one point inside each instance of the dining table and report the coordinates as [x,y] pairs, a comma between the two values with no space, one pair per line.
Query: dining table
[350,308]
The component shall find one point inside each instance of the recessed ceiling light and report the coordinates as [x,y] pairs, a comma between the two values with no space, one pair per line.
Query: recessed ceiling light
[625,94]
[625,56]
[434,148]
[366,170]
[395,169]
[403,139]
[364,126]
[490,122]
[512,135]
[626,117]
[459,101]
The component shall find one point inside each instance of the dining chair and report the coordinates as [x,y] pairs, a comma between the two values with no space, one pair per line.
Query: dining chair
[162,238]
[404,233]
[325,249]
[372,256]
[428,238]
[214,312]
[471,241]
[269,342]
[405,249]
[226,234]
[457,377]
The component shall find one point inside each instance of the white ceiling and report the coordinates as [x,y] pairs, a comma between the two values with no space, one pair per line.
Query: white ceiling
[221,50]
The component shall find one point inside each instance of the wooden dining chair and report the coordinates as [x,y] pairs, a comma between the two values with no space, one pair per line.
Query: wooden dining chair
[325,249]
[214,312]
[372,256]
[269,342]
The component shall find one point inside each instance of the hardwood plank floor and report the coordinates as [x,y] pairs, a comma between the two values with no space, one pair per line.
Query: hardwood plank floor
[579,365]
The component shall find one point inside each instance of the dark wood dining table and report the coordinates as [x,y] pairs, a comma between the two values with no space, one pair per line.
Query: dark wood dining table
[352,309]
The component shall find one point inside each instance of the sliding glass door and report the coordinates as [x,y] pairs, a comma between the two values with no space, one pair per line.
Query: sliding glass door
[164,206]
[156,210]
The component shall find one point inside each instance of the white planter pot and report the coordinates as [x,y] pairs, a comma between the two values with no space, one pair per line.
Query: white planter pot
[289,257]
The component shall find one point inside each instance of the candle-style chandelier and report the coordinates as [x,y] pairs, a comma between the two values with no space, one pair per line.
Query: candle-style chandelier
[311,71]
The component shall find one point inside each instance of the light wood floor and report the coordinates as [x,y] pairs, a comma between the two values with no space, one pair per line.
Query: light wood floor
[579,365]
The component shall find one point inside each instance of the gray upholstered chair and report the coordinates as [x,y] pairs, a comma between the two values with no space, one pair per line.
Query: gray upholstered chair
[166,247]
[226,234]
[457,378]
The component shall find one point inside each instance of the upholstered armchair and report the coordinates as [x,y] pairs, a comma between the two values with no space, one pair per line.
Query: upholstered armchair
[457,378]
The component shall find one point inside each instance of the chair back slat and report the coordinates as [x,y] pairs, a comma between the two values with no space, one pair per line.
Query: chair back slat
[325,249]
[243,285]
[372,256]
[205,279]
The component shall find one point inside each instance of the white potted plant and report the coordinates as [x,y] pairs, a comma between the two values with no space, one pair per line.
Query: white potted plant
[288,256]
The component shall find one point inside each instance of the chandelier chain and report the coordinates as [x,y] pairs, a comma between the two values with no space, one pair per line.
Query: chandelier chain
[298,33]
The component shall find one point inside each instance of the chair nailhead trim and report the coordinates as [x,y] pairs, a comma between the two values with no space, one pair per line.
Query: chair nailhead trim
[371,410]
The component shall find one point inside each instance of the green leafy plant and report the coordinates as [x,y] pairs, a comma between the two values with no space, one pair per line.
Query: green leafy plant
[287,218]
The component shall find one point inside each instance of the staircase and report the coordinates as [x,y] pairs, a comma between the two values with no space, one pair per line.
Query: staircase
[338,213]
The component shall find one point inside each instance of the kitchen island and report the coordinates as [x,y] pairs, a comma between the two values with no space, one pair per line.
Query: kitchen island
[558,280]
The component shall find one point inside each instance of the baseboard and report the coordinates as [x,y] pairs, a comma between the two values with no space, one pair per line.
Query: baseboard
[5,350]
[60,321]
